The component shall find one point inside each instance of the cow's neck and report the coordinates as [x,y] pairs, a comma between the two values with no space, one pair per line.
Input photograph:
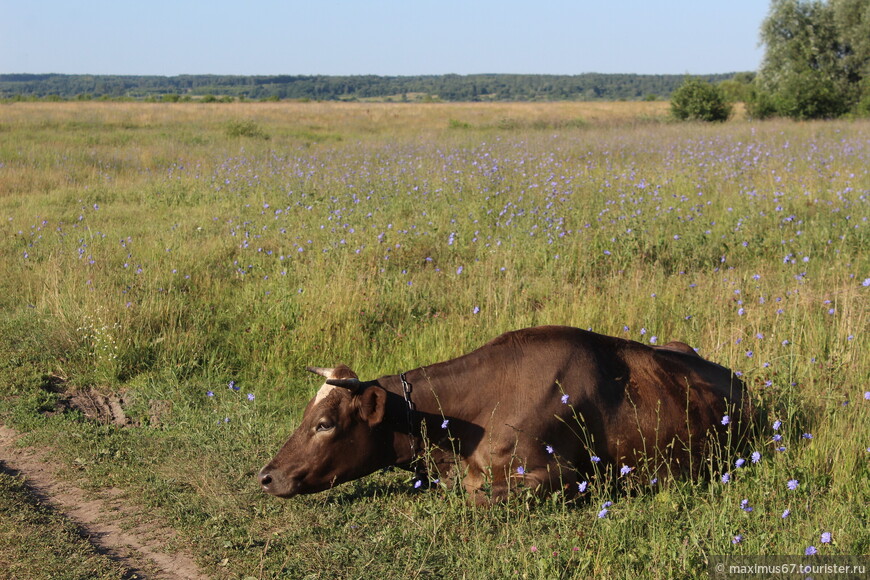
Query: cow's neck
[445,391]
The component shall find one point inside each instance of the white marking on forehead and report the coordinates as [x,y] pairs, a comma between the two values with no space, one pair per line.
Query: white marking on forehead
[323,392]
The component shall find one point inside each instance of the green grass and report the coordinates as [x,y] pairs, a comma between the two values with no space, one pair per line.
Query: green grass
[159,251]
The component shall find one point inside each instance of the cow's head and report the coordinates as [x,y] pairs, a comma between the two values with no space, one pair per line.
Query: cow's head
[338,440]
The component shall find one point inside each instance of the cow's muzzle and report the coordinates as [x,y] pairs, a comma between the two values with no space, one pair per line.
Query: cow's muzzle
[274,484]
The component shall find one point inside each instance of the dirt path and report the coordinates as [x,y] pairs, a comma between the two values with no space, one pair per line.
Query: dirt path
[116,529]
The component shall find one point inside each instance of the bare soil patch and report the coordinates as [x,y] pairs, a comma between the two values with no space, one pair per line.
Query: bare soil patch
[114,526]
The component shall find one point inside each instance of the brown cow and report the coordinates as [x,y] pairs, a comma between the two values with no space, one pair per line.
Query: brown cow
[539,408]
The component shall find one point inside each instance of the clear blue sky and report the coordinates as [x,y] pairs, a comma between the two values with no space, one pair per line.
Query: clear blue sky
[383,37]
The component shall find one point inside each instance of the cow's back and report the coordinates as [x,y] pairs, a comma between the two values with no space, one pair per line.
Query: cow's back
[583,394]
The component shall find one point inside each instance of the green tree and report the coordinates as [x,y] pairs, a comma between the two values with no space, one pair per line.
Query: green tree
[816,57]
[738,88]
[696,100]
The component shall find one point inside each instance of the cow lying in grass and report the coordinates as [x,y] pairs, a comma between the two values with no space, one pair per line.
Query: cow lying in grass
[539,408]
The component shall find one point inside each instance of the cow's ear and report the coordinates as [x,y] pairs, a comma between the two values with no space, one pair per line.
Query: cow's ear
[372,404]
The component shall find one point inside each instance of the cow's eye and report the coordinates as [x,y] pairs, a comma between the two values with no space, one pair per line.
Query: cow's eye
[324,426]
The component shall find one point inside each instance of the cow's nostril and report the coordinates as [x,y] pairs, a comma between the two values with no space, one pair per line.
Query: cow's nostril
[265,479]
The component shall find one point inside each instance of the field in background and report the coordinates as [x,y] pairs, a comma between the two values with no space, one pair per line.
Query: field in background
[195,257]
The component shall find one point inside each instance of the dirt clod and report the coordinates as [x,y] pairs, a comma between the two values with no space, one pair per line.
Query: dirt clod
[108,409]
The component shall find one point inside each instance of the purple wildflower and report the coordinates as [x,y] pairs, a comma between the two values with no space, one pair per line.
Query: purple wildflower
[581,487]
[811,550]
[756,457]
[826,537]
[793,484]
[625,470]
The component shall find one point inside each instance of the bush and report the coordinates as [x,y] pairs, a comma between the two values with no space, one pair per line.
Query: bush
[760,104]
[810,95]
[697,100]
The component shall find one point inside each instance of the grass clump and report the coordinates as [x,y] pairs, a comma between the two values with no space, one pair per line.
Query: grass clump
[246,128]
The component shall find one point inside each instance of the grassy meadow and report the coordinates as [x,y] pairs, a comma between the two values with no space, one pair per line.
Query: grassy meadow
[196,257]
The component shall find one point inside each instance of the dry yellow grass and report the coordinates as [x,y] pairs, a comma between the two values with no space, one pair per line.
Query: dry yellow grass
[334,116]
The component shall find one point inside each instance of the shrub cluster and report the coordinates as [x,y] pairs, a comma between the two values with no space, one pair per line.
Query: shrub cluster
[697,100]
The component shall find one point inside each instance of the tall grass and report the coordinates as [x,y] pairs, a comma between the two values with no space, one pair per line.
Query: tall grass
[151,249]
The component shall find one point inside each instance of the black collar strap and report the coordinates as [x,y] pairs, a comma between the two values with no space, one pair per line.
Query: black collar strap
[412,408]
[418,467]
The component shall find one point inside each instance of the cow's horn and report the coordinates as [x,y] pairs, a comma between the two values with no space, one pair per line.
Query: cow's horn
[350,384]
[353,385]
[323,372]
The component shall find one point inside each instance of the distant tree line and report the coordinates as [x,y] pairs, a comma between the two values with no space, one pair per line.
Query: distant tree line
[451,87]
